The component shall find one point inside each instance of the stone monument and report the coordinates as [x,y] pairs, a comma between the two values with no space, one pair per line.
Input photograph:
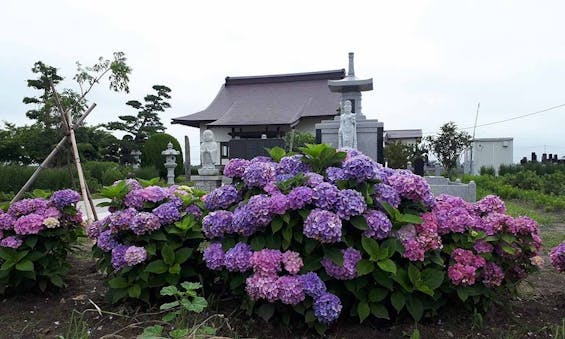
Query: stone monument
[208,152]
[368,132]
[136,156]
[170,162]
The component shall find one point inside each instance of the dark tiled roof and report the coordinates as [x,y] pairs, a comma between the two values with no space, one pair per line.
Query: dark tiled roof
[269,100]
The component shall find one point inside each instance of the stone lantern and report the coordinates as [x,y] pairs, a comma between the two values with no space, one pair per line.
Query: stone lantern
[170,162]
[136,155]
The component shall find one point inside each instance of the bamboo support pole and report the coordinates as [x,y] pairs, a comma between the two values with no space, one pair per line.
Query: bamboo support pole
[48,159]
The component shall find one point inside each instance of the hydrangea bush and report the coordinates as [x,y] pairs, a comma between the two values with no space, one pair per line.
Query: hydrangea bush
[36,235]
[557,257]
[149,239]
[328,234]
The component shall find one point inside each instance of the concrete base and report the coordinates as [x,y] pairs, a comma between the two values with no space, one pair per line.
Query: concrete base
[207,182]
[441,185]
[208,170]
[367,135]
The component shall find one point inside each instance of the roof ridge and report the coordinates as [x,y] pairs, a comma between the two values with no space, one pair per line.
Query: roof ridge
[288,77]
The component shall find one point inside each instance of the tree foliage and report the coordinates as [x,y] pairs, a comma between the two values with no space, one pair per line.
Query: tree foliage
[397,154]
[448,144]
[151,153]
[147,121]
[300,140]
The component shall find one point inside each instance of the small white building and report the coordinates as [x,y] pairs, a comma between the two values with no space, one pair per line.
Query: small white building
[488,152]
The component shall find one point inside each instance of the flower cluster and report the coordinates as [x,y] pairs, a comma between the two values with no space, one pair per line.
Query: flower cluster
[34,216]
[148,210]
[557,256]
[346,271]
[463,272]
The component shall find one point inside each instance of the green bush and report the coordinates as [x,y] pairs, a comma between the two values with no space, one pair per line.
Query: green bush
[33,257]
[146,173]
[487,170]
[151,153]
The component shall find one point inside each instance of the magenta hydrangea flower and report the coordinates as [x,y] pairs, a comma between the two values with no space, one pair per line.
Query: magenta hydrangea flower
[11,242]
[292,262]
[412,187]
[135,255]
[217,223]
[454,215]
[167,213]
[349,203]
[360,168]
[118,257]
[346,271]
[325,196]
[386,193]
[145,222]
[413,251]
[522,225]
[238,258]
[461,274]
[312,284]
[214,256]
[290,290]
[482,246]
[490,204]
[557,256]
[235,168]
[299,197]
[258,174]
[29,224]
[327,308]
[221,198]
[6,221]
[492,275]
[278,203]
[266,262]
[379,225]
[323,226]
[262,287]
[65,198]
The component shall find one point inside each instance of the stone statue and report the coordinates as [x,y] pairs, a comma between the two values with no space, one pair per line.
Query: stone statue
[208,152]
[347,133]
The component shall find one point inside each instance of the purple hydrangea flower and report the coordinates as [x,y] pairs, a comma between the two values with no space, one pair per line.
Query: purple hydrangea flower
[6,221]
[64,198]
[313,179]
[235,168]
[255,214]
[167,213]
[346,271]
[194,210]
[242,221]
[349,152]
[325,196]
[27,206]
[411,186]
[327,308]
[134,255]
[490,204]
[299,197]
[292,262]
[335,174]
[292,165]
[313,285]
[262,287]
[93,229]
[214,256]
[238,258]
[557,256]
[453,214]
[482,246]
[261,158]
[323,226]
[118,257]
[258,174]
[217,223]
[145,222]
[386,193]
[278,203]
[121,220]
[106,241]
[360,168]
[11,242]
[492,275]
[379,225]
[134,199]
[266,262]
[271,188]
[350,203]
[29,224]
[221,198]
[283,177]
[290,290]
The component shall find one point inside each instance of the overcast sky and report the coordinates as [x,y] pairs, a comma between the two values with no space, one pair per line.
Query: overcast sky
[431,61]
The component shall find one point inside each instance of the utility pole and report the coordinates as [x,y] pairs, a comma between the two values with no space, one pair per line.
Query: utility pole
[473,140]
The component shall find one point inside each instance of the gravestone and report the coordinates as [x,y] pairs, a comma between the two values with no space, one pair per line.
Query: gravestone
[523,161]
[534,157]
[251,148]
[544,157]
[555,159]
[419,166]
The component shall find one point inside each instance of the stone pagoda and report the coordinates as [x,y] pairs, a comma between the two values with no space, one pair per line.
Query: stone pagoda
[369,131]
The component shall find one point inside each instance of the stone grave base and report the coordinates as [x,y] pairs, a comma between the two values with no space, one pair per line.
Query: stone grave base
[207,182]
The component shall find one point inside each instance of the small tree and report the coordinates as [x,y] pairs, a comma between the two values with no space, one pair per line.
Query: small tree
[300,140]
[397,154]
[448,144]
[147,121]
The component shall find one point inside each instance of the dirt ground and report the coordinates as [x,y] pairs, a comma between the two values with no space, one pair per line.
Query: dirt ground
[538,313]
